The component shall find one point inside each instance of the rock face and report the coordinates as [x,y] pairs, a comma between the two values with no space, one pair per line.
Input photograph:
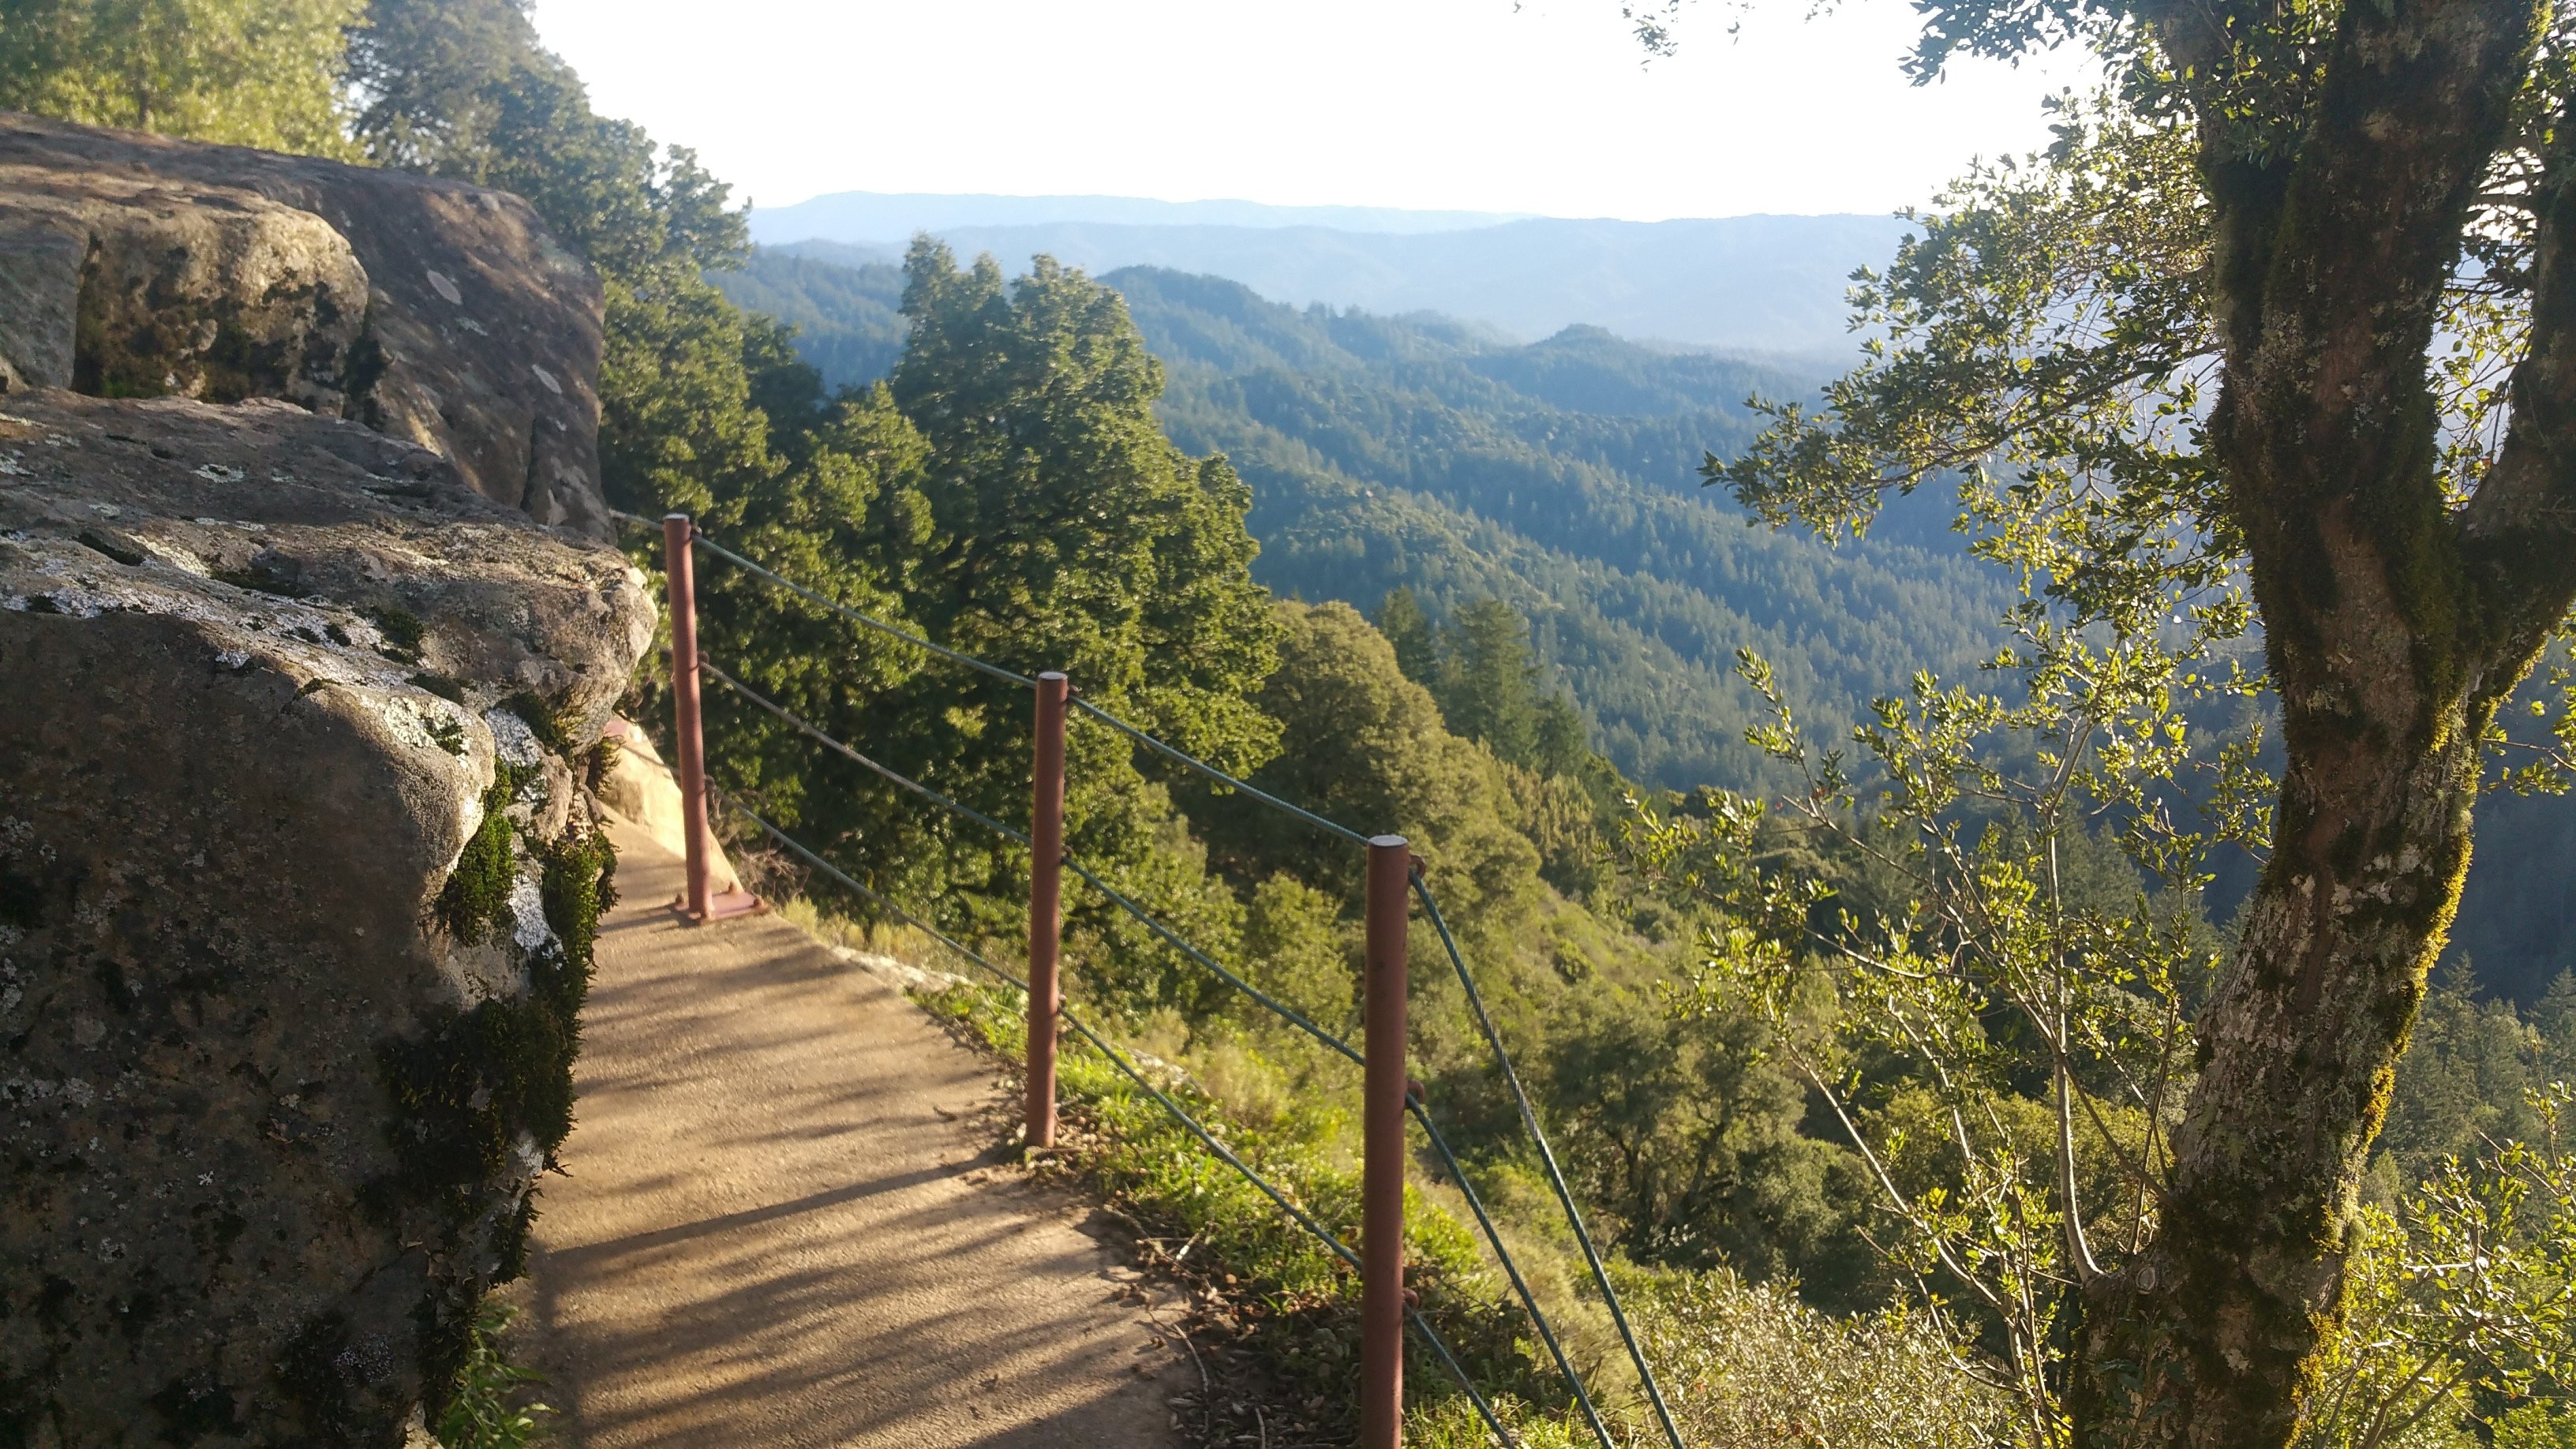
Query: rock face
[136,266]
[634,785]
[296,884]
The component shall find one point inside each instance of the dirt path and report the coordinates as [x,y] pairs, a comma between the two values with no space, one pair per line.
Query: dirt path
[778,1230]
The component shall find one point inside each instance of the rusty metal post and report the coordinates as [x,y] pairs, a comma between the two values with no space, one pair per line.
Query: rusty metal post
[1390,865]
[1046,896]
[678,571]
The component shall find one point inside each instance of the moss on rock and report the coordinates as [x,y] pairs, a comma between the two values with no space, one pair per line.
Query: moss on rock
[477,894]
[484,1093]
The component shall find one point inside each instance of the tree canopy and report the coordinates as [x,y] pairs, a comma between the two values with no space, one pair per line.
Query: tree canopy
[249,72]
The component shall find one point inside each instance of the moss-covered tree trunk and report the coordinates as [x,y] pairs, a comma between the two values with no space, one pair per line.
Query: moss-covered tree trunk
[2395,620]
[2207,1335]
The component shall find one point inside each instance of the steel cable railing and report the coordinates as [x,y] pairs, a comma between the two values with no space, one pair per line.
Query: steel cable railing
[1177,756]
[699,535]
[1193,762]
[1421,890]
[1172,938]
[1288,1013]
[1547,1159]
[905,781]
[1118,1059]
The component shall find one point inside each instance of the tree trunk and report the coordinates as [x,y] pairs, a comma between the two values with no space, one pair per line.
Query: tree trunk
[2390,634]
[2205,1338]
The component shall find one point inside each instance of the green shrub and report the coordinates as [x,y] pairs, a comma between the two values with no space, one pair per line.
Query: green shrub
[486,1411]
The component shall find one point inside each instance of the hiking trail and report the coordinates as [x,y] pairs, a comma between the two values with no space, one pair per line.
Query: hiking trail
[782,1227]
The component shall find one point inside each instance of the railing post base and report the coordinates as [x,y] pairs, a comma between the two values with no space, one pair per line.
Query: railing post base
[722,906]
[699,902]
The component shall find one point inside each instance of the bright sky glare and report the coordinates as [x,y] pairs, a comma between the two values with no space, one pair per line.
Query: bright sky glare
[1470,104]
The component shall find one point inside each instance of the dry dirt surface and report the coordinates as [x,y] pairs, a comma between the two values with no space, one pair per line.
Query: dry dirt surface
[780,1230]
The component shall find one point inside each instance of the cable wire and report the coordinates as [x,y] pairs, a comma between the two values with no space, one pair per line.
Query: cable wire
[835,872]
[854,616]
[1422,1325]
[1290,1013]
[1212,772]
[1304,1220]
[1511,1269]
[915,786]
[997,671]
[1547,1158]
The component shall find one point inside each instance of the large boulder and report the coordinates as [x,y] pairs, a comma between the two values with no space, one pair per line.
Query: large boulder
[296,887]
[133,265]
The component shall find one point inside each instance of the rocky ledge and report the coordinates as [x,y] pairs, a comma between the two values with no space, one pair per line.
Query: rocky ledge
[296,897]
[134,265]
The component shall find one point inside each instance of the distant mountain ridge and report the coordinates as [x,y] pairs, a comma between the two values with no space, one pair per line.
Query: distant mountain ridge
[891,217]
[1769,284]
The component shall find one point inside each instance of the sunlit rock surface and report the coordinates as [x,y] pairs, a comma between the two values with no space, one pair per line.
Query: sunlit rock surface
[137,266]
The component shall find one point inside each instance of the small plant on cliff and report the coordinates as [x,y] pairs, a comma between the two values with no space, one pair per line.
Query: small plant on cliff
[490,1409]
[477,893]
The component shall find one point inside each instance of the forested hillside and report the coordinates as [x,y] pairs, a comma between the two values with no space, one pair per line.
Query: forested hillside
[1560,477]
[843,311]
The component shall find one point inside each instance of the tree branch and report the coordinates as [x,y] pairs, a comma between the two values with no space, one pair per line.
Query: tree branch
[2517,530]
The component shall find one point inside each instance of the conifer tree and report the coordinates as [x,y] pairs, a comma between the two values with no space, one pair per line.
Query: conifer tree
[1009,493]
[1488,683]
[1401,620]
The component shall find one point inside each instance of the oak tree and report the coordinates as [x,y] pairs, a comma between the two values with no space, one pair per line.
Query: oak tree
[2291,310]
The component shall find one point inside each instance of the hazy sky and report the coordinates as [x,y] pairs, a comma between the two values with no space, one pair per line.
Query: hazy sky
[1469,104]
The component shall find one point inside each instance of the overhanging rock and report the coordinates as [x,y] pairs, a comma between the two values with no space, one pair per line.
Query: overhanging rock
[133,265]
